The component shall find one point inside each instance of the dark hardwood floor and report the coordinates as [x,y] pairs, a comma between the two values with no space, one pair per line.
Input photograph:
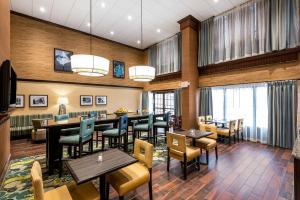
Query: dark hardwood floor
[244,170]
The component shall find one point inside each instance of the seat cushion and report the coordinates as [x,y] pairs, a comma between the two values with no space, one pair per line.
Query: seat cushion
[224,132]
[85,191]
[60,193]
[72,139]
[113,132]
[191,153]
[206,143]
[129,178]
[161,124]
[141,127]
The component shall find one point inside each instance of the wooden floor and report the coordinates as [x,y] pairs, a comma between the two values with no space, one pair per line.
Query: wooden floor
[244,170]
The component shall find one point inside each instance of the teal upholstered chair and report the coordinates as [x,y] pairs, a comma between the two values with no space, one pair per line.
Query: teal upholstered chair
[138,128]
[67,131]
[117,133]
[99,128]
[164,124]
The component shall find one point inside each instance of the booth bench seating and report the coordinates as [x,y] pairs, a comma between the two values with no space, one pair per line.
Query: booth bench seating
[21,125]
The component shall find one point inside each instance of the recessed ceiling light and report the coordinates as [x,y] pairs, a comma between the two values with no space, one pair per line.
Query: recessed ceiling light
[42,9]
[216,1]
[158,30]
[112,33]
[88,24]
[129,17]
[139,42]
[103,5]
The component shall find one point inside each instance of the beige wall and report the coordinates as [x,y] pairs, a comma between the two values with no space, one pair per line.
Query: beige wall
[116,97]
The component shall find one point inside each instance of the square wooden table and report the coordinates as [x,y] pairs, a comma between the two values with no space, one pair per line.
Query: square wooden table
[87,168]
[194,134]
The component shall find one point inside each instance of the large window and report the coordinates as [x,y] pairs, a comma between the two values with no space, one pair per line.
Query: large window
[164,102]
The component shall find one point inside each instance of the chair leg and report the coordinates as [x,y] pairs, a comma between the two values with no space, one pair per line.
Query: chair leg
[121,197]
[185,167]
[216,150]
[198,163]
[60,160]
[150,186]
[92,146]
[70,151]
[207,157]
[229,140]
[97,138]
[168,162]
[75,152]
[103,142]
[80,150]
[107,190]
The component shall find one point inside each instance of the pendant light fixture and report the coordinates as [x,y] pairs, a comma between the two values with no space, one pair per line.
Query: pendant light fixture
[142,73]
[90,65]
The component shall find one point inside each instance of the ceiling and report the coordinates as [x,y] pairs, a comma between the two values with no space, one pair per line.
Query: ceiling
[112,16]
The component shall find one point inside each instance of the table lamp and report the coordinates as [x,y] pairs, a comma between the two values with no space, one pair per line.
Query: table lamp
[62,101]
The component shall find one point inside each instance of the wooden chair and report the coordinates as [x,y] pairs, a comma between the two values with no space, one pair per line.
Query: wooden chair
[133,176]
[139,128]
[240,129]
[228,132]
[210,142]
[117,133]
[177,149]
[165,124]
[85,191]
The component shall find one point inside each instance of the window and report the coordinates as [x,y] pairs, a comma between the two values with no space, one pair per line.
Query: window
[164,102]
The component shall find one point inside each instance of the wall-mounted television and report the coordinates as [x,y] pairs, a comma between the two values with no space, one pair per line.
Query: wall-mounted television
[8,87]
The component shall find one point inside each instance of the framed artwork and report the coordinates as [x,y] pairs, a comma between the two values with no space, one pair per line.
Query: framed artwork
[20,101]
[38,100]
[119,69]
[86,100]
[101,100]
[62,60]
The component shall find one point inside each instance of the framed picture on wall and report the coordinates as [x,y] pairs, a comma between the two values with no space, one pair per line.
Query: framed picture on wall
[119,69]
[38,100]
[20,101]
[62,60]
[86,100]
[101,100]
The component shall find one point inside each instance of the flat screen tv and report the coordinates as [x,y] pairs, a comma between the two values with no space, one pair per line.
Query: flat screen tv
[8,87]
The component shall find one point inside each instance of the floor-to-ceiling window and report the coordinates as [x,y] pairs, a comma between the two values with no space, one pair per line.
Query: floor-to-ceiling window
[164,102]
[244,101]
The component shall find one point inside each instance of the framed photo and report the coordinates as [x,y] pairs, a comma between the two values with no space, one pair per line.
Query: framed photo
[86,100]
[62,60]
[20,101]
[101,100]
[38,100]
[119,69]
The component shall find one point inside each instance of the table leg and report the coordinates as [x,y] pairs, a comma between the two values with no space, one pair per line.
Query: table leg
[194,142]
[52,152]
[102,185]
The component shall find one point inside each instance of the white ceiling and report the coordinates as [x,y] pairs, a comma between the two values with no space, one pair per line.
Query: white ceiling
[157,14]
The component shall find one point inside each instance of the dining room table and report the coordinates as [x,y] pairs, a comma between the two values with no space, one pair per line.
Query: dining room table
[217,122]
[193,134]
[54,128]
[98,165]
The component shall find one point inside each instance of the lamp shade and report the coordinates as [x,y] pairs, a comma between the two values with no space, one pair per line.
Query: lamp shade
[63,100]
[142,73]
[89,65]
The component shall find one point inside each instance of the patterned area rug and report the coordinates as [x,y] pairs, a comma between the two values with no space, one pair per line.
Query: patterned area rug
[17,182]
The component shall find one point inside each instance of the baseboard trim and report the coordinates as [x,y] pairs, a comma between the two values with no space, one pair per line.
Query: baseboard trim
[4,171]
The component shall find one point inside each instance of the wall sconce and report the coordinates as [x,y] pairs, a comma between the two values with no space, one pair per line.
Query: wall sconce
[62,102]
[184,84]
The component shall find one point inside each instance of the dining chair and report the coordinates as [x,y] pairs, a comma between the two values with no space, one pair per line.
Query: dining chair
[117,133]
[208,117]
[99,128]
[164,124]
[66,131]
[228,132]
[177,149]
[85,191]
[140,128]
[38,133]
[240,129]
[85,136]
[210,142]
[135,175]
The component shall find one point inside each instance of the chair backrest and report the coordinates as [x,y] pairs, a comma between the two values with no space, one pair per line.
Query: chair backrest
[240,125]
[150,120]
[176,142]
[123,123]
[232,124]
[212,128]
[87,128]
[37,124]
[37,181]
[61,117]
[202,127]
[143,151]
[209,117]
[201,120]
[93,114]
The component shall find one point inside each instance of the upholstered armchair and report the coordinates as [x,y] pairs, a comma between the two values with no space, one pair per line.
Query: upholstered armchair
[228,132]
[133,176]
[177,149]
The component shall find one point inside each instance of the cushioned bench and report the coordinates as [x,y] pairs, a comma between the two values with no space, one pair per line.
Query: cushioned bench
[21,125]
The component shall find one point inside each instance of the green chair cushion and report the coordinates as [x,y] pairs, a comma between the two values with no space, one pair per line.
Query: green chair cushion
[161,124]
[141,127]
[102,127]
[113,132]
[72,139]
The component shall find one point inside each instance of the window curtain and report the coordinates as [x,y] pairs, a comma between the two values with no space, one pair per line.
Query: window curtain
[248,102]
[282,105]
[256,27]
[177,98]
[205,102]
[166,55]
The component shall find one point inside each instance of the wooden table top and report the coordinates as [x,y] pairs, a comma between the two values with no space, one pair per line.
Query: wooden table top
[196,135]
[87,168]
